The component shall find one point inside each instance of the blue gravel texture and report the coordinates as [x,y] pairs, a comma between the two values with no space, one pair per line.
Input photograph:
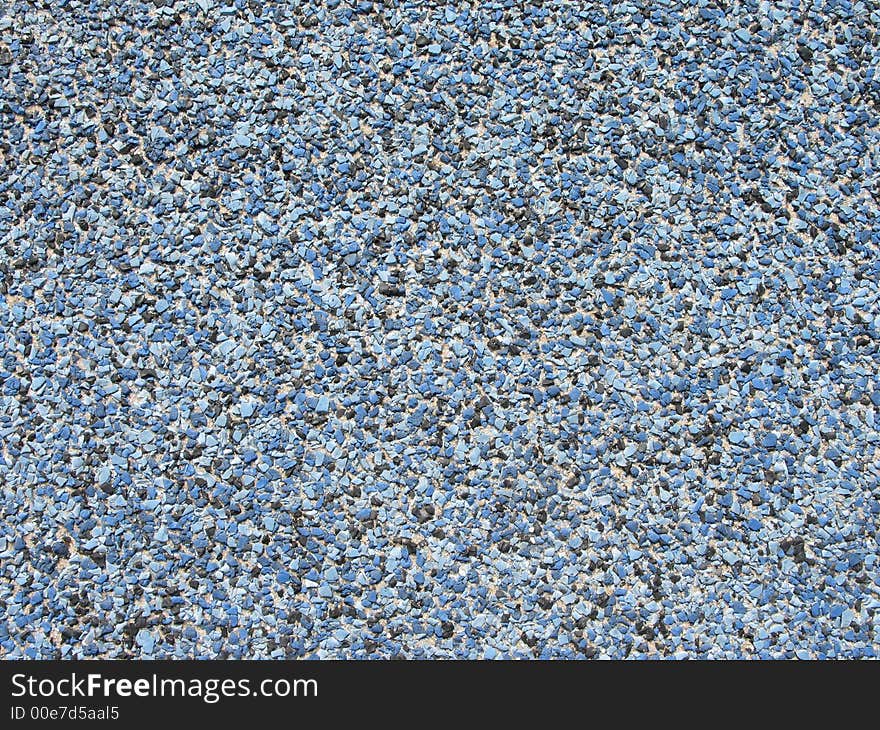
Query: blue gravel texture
[426,330]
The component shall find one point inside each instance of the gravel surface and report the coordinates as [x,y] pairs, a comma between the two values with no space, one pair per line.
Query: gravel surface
[487,330]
